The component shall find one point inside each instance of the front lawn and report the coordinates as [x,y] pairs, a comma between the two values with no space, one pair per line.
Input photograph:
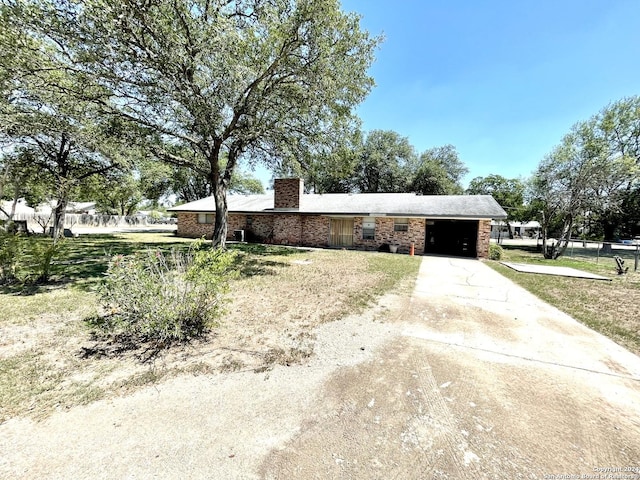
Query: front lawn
[49,359]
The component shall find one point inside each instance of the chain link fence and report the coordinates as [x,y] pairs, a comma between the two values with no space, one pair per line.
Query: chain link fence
[628,252]
[596,252]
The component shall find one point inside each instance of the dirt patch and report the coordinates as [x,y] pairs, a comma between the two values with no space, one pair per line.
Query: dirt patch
[52,362]
[217,425]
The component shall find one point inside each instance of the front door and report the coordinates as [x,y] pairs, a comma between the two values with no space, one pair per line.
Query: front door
[341,232]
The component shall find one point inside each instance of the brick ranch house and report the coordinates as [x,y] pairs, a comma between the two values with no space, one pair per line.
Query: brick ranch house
[444,224]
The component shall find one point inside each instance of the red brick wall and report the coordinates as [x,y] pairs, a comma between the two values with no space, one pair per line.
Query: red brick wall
[287,229]
[315,231]
[188,226]
[261,226]
[287,192]
[484,235]
[360,242]
[235,221]
[386,234]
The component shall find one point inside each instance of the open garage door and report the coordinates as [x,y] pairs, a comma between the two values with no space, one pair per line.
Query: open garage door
[452,237]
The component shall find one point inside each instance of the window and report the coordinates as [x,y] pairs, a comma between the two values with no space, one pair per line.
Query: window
[400,224]
[206,217]
[368,228]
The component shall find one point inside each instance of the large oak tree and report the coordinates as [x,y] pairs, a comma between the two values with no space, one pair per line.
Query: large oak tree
[218,78]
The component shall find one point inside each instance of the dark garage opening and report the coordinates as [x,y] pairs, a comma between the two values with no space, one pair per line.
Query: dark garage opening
[452,237]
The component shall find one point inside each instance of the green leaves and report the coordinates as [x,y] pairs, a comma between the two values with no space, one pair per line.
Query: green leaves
[587,178]
[164,297]
[385,163]
[210,80]
[508,192]
[439,172]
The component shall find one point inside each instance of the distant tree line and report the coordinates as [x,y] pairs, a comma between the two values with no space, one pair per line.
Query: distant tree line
[381,161]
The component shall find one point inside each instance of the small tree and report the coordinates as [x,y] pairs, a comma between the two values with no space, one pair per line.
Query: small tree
[579,176]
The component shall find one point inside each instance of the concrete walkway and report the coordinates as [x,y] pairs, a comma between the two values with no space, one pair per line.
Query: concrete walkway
[493,312]
[553,270]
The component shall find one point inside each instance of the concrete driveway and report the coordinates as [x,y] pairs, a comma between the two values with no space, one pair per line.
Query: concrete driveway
[485,381]
[470,377]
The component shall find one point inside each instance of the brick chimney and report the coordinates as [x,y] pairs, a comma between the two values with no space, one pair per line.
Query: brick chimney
[287,192]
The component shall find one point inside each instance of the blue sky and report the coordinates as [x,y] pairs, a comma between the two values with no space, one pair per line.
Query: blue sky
[502,81]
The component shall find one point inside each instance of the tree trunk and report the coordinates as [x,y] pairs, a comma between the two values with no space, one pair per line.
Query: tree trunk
[14,204]
[59,216]
[609,231]
[509,230]
[219,238]
[559,247]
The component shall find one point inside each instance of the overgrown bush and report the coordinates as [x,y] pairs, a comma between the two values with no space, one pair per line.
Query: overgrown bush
[495,251]
[42,252]
[164,297]
[27,260]
[12,251]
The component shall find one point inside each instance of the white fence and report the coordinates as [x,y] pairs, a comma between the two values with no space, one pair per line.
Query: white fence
[40,222]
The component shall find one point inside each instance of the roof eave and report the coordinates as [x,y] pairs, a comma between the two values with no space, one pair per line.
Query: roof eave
[351,214]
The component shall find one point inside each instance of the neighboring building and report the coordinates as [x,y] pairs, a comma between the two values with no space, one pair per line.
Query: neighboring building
[446,224]
[85,208]
[529,229]
[22,210]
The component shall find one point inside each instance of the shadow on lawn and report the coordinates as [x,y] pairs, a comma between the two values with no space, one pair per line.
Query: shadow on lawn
[262,249]
[85,260]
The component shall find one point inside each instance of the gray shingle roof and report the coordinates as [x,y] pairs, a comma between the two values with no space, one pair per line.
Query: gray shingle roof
[364,204]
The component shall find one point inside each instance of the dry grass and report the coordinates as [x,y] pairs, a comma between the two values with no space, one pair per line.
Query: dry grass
[611,308]
[49,361]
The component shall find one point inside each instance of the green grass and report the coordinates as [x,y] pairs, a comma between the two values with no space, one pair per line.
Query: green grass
[611,308]
[22,309]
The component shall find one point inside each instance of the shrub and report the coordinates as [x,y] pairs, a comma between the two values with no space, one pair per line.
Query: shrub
[12,251]
[495,251]
[42,253]
[164,297]
[25,260]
